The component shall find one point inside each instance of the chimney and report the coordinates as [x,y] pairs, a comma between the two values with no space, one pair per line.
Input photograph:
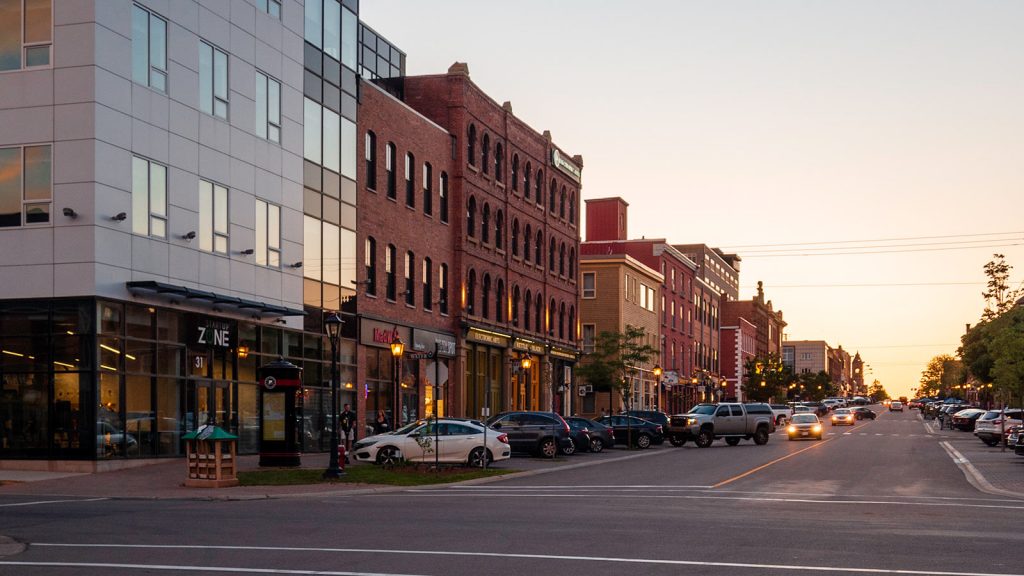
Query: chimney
[606,219]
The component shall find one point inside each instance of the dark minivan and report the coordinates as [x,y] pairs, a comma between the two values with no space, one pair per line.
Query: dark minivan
[539,433]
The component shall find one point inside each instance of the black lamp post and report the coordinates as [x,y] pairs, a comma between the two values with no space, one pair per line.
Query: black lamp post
[397,348]
[333,325]
[657,386]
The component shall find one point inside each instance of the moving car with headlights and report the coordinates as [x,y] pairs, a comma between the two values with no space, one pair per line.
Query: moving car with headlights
[804,426]
[457,441]
[895,406]
[732,421]
[843,417]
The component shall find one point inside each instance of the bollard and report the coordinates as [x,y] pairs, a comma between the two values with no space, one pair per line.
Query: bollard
[341,456]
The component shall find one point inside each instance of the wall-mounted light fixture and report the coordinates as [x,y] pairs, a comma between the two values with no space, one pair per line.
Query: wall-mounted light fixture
[296,265]
[70,213]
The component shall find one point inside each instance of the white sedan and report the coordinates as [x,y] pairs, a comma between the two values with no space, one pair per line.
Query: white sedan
[457,441]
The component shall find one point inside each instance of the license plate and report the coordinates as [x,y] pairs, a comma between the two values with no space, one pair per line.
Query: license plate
[804,433]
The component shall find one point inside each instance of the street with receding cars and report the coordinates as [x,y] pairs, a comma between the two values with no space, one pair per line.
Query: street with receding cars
[882,496]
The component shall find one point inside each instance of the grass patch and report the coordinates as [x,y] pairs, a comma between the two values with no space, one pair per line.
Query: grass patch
[408,475]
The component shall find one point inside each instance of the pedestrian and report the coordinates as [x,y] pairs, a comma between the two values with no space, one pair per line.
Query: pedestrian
[381,423]
[347,422]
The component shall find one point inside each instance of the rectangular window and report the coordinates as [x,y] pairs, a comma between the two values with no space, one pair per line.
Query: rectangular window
[428,284]
[428,189]
[371,266]
[26,33]
[410,180]
[332,140]
[643,296]
[213,80]
[589,284]
[272,7]
[332,28]
[371,160]
[149,49]
[349,38]
[348,148]
[268,107]
[389,271]
[442,289]
[311,132]
[410,279]
[389,168]
[149,198]
[311,248]
[330,262]
[26,187]
[315,23]
[589,335]
[442,198]
[268,234]
[213,217]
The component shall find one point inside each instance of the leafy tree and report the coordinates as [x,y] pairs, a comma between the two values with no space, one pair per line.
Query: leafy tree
[1007,350]
[999,297]
[877,392]
[765,378]
[941,375]
[616,357]
[816,386]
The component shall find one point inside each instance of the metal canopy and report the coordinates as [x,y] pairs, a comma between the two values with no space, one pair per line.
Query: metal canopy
[212,297]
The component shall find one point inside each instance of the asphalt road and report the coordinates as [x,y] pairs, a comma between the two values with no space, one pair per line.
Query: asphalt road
[881,497]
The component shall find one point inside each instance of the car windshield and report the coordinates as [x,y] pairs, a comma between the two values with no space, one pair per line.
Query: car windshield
[805,419]
[409,427]
[707,409]
[842,412]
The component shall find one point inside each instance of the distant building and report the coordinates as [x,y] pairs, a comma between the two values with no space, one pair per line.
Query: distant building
[762,314]
[738,346]
[719,270]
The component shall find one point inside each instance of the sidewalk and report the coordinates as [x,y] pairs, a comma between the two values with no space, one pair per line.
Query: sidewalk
[989,469]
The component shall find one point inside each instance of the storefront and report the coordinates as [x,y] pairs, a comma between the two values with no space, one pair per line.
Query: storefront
[525,389]
[563,361]
[483,392]
[86,379]
[385,373]
[437,350]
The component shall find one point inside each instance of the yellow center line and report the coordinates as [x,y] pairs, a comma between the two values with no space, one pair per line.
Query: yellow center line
[777,460]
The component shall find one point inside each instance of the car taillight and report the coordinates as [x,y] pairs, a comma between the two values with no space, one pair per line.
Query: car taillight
[658,428]
[503,438]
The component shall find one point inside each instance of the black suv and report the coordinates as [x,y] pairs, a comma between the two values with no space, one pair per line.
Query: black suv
[655,416]
[539,433]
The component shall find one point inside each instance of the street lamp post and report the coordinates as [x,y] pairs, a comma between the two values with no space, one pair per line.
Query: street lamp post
[333,324]
[397,348]
[657,386]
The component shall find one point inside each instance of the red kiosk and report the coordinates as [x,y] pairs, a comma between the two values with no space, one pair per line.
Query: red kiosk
[280,411]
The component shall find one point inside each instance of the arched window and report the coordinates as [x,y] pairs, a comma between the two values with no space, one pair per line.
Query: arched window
[485,296]
[572,323]
[442,289]
[572,208]
[471,146]
[538,249]
[561,321]
[572,264]
[561,259]
[485,224]
[552,310]
[410,278]
[471,217]
[526,181]
[515,306]
[389,167]
[371,265]
[371,160]
[499,302]
[515,237]
[485,153]
[527,238]
[499,159]
[428,284]
[539,187]
[471,293]
[499,227]
[551,255]
[526,311]
[515,172]
[561,204]
[442,197]
[538,312]
[552,196]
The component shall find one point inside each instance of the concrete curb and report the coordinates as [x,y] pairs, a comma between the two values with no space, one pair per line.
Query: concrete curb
[973,475]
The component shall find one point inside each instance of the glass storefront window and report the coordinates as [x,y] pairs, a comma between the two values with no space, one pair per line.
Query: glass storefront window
[293,344]
[139,357]
[169,424]
[110,318]
[168,359]
[168,326]
[140,429]
[271,342]
[110,354]
[139,321]
[248,419]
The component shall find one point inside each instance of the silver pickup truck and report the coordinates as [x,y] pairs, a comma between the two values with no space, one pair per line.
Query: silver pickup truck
[734,422]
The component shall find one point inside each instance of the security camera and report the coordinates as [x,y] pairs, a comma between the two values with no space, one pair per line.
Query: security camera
[190,236]
[119,217]
[70,213]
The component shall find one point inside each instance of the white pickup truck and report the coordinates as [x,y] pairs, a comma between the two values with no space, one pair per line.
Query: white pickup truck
[734,422]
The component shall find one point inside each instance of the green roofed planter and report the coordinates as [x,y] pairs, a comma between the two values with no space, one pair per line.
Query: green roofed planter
[212,458]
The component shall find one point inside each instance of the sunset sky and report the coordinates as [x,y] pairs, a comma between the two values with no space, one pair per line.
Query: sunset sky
[771,127]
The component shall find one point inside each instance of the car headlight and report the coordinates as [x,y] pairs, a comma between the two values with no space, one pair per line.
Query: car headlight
[363,444]
[791,429]
[816,428]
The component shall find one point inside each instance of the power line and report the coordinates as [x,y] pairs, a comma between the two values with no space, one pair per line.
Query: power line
[880,246]
[875,285]
[871,240]
[747,256]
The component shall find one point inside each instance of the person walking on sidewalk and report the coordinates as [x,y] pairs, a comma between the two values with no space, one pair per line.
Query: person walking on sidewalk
[347,424]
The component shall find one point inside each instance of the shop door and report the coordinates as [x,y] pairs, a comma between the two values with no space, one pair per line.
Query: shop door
[214,404]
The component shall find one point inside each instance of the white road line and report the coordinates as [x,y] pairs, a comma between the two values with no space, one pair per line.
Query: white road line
[606,559]
[229,569]
[39,502]
[847,433]
[710,490]
[567,487]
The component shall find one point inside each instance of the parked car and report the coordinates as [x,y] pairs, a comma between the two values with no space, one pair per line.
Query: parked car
[579,437]
[457,441]
[1018,446]
[895,406]
[643,432]
[843,417]
[804,426]
[964,420]
[782,413]
[863,413]
[601,436]
[1012,435]
[819,408]
[989,428]
[732,421]
[112,441]
[656,416]
[539,433]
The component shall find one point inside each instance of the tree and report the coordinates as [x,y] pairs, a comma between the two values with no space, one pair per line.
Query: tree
[877,392]
[1007,350]
[999,297]
[942,374]
[765,378]
[816,386]
[617,356]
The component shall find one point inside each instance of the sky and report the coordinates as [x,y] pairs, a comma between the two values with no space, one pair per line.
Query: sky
[770,127]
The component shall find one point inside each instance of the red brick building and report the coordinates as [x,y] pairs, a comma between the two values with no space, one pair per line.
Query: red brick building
[510,242]
[738,345]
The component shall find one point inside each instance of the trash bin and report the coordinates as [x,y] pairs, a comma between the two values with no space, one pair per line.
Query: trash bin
[212,458]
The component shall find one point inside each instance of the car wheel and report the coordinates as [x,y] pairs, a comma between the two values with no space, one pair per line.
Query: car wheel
[596,445]
[732,441]
[761,436]
[677,440]
[477,457]
[570,448]
[388,456]
[643,441]
[991,442]
[704,438]
[548,448]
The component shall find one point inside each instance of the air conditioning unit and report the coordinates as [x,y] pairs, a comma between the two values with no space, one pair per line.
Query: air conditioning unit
[582,390]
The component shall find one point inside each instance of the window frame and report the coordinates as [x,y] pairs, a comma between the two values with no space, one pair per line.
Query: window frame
[151,67]
[593,288]
[370,156]
[370,264]
[268,246]
[210,236]
[266,129]
[151,216]
[23,201]
[209,106]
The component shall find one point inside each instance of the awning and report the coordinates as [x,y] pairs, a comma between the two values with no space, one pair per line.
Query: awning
[214,298]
